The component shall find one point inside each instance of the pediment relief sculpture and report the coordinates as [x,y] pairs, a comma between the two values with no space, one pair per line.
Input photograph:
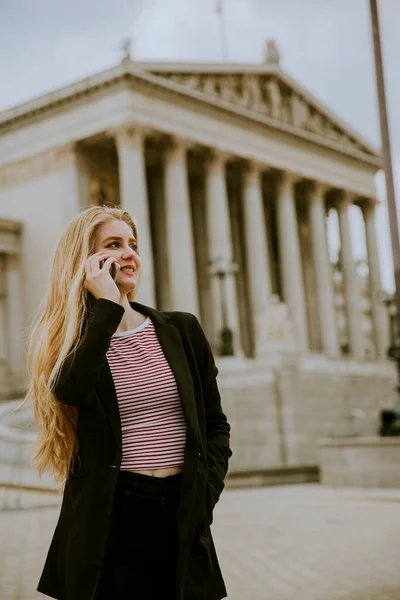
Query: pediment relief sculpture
[267,94]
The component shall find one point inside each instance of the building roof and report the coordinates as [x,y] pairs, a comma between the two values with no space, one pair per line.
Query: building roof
[195,80]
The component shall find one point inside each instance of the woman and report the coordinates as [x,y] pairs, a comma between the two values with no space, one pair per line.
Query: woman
[130,419]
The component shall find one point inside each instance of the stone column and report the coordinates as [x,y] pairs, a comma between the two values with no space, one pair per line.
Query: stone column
[84,183]
[220,246]
[351,281]
[290,258]
[14,312]
[134,199]
[257,252]
[183,292]
[379,316]
[71,182]
[159,229]
[323,271]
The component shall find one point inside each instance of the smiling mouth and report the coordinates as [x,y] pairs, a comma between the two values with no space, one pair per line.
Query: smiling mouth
[129,271]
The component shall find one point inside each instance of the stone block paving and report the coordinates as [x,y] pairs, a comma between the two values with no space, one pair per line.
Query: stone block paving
[303,542]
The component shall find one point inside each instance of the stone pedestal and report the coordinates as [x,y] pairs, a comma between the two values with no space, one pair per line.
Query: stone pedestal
[360,462]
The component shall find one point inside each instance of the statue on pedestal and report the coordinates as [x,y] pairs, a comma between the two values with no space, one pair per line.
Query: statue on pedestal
[272,54]
[126,47]
[274,329]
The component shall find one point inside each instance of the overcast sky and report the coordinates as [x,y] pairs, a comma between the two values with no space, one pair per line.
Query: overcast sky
[325,45]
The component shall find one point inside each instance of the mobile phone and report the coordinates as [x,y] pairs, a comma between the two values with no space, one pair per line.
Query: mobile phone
[114,269]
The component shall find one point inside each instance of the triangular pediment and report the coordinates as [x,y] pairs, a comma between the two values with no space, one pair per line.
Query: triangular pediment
[270,93]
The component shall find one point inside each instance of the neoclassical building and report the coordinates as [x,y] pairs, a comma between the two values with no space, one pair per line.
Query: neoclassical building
[230,172]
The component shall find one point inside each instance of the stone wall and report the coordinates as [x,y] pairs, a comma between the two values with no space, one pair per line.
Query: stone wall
[277,414]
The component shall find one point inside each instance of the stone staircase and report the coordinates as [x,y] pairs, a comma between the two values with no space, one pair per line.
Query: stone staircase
[17,437]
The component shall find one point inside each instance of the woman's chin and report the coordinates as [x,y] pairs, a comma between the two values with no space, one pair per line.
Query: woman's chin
[126,288]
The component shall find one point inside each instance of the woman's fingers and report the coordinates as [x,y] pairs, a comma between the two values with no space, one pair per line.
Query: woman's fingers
[98,280]
[107,264]
[92,264]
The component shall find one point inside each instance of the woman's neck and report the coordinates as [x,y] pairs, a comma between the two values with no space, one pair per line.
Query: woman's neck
[131,317]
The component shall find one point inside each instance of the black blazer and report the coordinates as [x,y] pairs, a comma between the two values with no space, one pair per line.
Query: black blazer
[74,561]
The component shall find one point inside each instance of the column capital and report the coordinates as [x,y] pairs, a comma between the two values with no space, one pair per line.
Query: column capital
[344,199]
[129,134]
[218,157]
[253,169]
[66,155]
[368,206]
[176,147]
[317,190]
[287,179]
[10,236]
[176,141]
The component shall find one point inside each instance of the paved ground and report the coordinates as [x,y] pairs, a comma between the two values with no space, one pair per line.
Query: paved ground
[302,542]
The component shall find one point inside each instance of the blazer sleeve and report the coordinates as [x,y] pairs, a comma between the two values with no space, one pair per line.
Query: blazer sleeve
[217,426]
[80,371]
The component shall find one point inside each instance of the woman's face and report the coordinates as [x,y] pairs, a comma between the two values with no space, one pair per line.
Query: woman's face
[117,239]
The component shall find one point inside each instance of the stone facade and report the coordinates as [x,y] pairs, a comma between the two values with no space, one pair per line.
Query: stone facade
[229,173]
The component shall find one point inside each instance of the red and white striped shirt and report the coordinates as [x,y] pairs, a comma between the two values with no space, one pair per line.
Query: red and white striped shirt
[153,425]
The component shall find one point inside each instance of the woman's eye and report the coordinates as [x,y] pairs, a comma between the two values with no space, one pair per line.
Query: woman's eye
[133,246]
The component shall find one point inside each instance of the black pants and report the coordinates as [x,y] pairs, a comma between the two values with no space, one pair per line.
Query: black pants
[141,559]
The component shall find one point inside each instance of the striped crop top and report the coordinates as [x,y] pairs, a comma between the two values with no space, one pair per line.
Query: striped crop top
[152,421]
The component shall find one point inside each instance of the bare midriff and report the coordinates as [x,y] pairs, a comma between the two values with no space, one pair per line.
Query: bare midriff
[164,472]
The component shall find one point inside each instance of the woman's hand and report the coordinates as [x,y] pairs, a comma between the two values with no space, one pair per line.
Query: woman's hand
[98,280]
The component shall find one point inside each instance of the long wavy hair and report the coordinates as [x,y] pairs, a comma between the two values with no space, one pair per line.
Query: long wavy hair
[55,334]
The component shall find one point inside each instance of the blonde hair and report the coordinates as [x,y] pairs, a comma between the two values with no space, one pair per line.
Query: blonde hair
[55,335]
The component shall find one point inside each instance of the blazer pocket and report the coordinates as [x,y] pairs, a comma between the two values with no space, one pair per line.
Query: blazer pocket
[210,500]
[212,492]
[214,479]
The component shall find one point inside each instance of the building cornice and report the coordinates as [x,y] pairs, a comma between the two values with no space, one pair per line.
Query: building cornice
[128,72]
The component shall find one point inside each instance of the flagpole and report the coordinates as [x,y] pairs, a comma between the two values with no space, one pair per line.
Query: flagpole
[222,31]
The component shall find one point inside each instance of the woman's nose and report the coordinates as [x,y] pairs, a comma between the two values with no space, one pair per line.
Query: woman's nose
[129,252]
